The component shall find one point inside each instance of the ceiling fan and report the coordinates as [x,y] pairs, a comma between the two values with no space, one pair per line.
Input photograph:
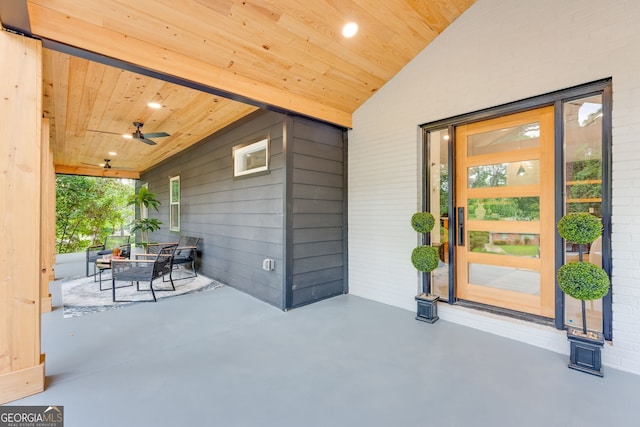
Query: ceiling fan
[145,138]
[106,165]
[138,134]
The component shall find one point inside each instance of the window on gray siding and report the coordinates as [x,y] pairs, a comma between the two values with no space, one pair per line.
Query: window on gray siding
[144,210]
[174,203]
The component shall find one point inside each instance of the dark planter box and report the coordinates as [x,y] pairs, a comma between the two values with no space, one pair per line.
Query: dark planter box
[586,351]
[427,308]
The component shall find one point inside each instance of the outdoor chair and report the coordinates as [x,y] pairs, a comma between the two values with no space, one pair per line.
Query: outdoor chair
[144,268]
[97,251]
[186,254]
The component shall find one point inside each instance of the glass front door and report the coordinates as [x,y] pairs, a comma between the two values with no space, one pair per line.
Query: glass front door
[504,192]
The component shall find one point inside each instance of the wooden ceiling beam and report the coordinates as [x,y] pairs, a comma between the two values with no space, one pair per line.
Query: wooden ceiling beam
[66,29]
[95,171]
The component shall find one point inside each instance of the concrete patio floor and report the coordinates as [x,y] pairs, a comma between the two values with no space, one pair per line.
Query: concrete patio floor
[223,358]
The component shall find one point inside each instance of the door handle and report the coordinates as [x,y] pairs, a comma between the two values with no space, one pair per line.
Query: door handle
[460,226]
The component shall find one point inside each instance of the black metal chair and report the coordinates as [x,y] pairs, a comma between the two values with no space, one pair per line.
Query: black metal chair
[186,254]
[144,268]
[97,251]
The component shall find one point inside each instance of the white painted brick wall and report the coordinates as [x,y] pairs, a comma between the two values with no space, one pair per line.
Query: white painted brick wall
[498,51]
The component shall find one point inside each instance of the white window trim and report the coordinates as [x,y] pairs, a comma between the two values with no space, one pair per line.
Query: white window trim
[240,151]
[144,210]
[174,202]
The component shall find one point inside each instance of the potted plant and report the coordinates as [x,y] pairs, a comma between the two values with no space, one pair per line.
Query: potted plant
[585,282]
[145,199]
[425,258]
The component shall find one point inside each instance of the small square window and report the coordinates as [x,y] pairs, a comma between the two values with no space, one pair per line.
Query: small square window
[251,158]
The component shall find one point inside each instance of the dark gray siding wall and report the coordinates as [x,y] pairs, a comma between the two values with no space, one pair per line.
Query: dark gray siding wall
[318,212]
[240,221]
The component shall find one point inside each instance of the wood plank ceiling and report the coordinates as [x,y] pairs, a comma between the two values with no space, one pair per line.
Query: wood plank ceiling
[288,55]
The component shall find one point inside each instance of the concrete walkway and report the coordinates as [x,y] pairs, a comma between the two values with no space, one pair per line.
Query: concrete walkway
[223,358]
[70,265]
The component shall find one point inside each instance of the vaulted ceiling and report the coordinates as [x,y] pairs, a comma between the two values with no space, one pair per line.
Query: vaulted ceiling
[209,63]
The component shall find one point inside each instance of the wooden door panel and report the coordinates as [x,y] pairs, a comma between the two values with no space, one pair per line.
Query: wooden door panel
[491,243]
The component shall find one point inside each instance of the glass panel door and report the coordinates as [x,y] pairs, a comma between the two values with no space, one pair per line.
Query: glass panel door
[505,212]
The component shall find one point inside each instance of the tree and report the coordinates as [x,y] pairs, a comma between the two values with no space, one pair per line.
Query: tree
[88,209]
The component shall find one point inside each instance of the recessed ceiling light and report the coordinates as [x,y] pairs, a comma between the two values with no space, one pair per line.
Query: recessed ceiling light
[154,105]
[350,29]
[113,153]
[127,136]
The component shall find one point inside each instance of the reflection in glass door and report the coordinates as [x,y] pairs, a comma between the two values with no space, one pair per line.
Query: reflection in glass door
[583,124]
[505,212]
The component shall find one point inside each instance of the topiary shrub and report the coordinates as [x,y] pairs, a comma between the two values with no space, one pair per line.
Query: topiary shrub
[425,258]
[583,281]
[423,222]
[580,227]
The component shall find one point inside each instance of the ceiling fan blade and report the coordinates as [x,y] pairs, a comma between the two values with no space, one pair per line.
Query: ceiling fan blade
[103,131]
[156,135]
[110,167]
[106,166]
[146,140]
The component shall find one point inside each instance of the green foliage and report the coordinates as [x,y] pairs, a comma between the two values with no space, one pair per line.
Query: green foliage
[488,175]
[444,190]
[145,226]
[513,208]
[478,239]
[580,227]
[422,222]
[585,191]
[516,250]
[583,281]
[425,258]
[88,209]
[585,170]
[145,198]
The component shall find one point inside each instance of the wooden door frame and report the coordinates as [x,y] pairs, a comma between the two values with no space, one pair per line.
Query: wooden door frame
[599,87]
